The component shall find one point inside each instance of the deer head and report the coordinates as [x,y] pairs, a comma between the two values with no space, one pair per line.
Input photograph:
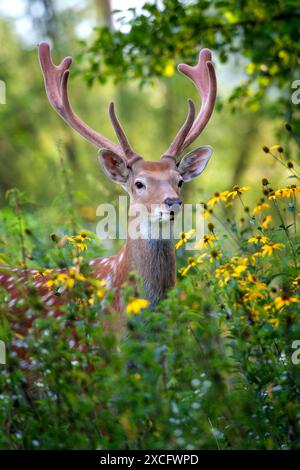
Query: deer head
[149,183]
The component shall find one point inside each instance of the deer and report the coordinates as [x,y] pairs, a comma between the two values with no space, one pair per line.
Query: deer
[148,183]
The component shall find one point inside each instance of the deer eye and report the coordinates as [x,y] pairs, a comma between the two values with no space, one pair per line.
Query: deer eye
[139,185]
[180,183]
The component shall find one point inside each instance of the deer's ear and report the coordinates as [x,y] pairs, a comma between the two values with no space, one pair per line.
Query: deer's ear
[114,166]
[194,162]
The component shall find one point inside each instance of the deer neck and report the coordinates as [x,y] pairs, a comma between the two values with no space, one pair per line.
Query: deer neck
[154,262]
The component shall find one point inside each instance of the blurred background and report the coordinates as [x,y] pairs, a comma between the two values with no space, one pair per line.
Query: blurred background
[128,51]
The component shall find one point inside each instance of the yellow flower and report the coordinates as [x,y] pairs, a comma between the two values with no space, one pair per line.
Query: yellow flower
[207,214]
[276,147]
[296,281]
[207,240]
[50,283]
[185,270]
[136,305]
[229,271]
[240,260]
[254,289]
[253,295]
[254,256]
[79,241]
[65,279]
[274,322]
[260,207]
[100,283]
[272,196]
[252,283]
[258,239]
[295,189]
[74,274]
[47,272]
[200,259]
[223,273]
[269,248]
[217,197]
[238,270]
[99,293]
[284,301]
[288,192]
[237,191]
[285,192]
[184,238]
[266,221]
[251,278]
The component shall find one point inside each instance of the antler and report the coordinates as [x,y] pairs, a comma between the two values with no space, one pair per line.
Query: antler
[204,77]
[177,143]
[56,84]
[128,151]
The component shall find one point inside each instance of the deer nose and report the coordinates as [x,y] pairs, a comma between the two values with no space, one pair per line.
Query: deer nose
[169,201]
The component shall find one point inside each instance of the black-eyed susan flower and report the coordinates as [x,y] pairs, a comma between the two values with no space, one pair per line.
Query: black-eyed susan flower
[79,241]
[274,322]
[252,295]
[99,288]
[65,279]
[237,191]
[207,213]
[238,270]
[254,257]
[136,305]
[184,238]
[240,260]
[272,195]
[269,248]
[266,222]
[223,273]
[260,207]
[284,300]
[296,281]
[292,190]
[217,197]
[191,263]
[258,239]
[201,258]
[207,240]
[277,147]
[281,193]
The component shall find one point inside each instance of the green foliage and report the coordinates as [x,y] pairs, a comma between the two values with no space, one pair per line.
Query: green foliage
[267,37]
[210,367]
